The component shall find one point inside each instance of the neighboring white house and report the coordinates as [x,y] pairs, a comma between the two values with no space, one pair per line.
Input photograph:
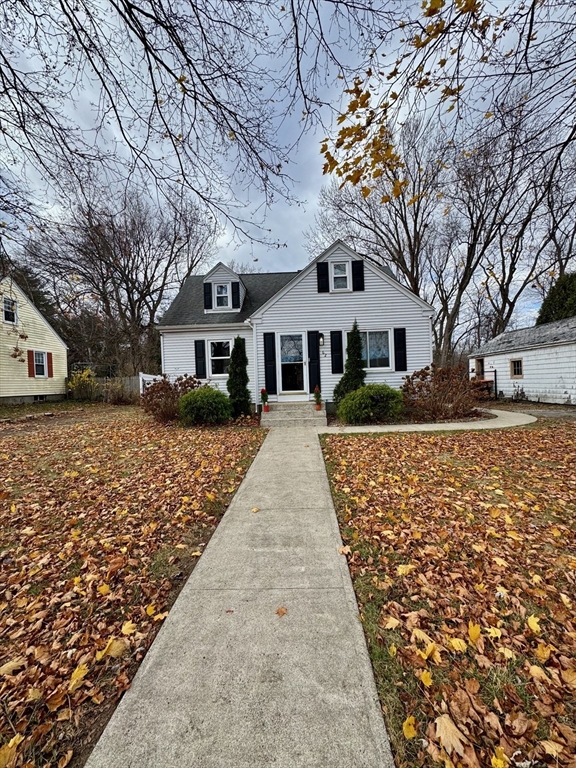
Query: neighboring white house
[536,363]
[295,325]
[33,358]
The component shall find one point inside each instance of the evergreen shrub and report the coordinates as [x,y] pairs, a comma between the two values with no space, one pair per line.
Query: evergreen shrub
[372,403]
[205,406]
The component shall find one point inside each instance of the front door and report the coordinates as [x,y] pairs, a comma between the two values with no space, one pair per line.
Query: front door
[292,376]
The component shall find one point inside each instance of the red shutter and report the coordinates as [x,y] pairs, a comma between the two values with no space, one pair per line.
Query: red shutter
[31,370]
[50,365]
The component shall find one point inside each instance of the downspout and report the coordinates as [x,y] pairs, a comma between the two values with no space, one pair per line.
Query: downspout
[255,348]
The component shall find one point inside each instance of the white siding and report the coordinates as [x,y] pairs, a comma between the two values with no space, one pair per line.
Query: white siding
[179,357]
[381,306]
[549,373]
[14,379]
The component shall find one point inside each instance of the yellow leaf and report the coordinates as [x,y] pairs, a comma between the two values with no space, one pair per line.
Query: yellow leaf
[419,634]
[569,677]
[538,674]
[479,547]
[536,579]
[255,509]
[196,554]
[404,570]
[449,736]
[114,647]
[543,652]
[160,616]
[566,600]
[151,609]
[392,651]
[499,561]
[128,628]
[506,652]
[104,589]
[534,624]
[408,727]
[457,644]
[392,623]
[8,751]
[77,677]
[552,747]
[426,678]
[494,632]
[488,115]
[365,192]
[474,631]
[12,666]
[34,694]
[499,759]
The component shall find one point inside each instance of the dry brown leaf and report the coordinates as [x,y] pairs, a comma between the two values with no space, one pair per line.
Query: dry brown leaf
[281,611]
[449,736]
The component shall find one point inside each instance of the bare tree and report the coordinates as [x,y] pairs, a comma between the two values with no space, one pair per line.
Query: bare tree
[113,272]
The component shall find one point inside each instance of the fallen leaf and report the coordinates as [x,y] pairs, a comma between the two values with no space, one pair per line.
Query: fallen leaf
[128,628]
[408,727]
[104,589]
[344,550]
[65,759]
[534,624]
[457,644]
[255,509]
[552,747]
[474,631]
[404,570]
[281,611]
[13,665]
[114,647]
[77,677]
[450,738]
[391,623]
[8,751]
[426,678]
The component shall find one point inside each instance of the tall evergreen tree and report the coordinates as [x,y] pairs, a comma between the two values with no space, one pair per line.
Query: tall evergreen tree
[560,302]
[354,372]
[238,380]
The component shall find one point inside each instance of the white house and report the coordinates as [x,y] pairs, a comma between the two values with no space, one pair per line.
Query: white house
[537,363]
[33,358]
[295,326]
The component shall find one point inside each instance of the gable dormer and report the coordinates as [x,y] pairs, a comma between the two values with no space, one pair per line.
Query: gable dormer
[224,291]
[340,271]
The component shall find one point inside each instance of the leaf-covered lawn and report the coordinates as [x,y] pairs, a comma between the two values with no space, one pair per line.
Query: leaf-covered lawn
[101,521]
[462,549]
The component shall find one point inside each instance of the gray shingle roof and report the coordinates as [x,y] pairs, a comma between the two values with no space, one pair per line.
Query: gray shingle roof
[188,306]
[562,331]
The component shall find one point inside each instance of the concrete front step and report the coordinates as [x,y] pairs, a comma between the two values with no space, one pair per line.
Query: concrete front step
[293,415]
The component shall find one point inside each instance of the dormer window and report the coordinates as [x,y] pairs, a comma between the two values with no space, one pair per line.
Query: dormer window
[222,295]
[340,274]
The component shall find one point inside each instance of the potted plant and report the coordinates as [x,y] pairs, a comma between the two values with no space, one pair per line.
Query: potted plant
[318,398]
[264,398]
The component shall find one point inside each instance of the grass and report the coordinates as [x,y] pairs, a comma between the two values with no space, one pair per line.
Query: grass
[8,411]
[463,558]
[104,516]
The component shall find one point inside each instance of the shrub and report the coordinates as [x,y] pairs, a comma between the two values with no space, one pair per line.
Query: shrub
[372,403]
[237,383]
[436,394]
[354,373]
[205,406]
[161,399]
[84,386]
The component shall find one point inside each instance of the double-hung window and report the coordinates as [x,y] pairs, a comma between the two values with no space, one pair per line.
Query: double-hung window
[9,307]
[375,349]
[222,295]
[340,275]
[220,357]
[40,368]
[516,369]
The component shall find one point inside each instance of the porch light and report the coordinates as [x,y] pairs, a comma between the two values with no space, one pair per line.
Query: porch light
[321,339]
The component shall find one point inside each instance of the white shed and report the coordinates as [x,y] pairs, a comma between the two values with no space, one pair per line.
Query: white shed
[537,363]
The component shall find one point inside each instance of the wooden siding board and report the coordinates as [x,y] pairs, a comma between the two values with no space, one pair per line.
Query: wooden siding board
[14,379]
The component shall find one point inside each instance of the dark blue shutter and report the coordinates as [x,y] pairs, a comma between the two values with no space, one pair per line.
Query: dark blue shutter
[200,354]
[207,295]
[314,360]
[400,359]
[270,363]
[337,351]
[236,295]
[322,277]
[357,275]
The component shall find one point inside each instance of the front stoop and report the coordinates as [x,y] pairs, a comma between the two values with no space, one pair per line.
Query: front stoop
[293,415]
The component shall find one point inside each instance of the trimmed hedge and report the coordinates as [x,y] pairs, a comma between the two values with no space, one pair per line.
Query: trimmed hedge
[369,404]
[205,406]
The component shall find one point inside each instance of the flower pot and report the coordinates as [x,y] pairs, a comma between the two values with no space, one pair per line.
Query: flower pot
[318,406]
[265,407]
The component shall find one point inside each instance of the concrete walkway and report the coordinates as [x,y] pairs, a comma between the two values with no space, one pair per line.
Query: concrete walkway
[229,683]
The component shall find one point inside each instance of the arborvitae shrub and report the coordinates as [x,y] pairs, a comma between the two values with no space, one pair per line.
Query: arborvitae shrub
[354,373]
[205,406]
[237,383]
[370,404]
